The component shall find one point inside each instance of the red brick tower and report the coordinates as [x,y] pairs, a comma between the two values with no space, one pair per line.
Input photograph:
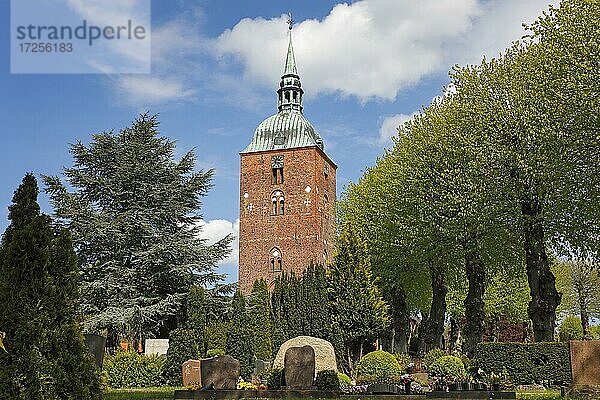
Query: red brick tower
[287,191]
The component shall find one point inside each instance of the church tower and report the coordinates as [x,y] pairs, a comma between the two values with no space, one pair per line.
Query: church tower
[287,191]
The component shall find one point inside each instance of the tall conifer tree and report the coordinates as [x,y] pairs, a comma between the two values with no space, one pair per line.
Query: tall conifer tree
[46,355]
[133,214]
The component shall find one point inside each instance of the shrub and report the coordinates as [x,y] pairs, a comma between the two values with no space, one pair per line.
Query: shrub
[527,363]
[432,356]
[183,346]
[570,329]
[595,332]
[448,366]
[378,367]
[215,353]
[128,369]
[275,378]
[327,380]
[403,360]
[344,379]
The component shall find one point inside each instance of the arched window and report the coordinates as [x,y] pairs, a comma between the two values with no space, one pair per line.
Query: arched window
[275,260]
[277,202]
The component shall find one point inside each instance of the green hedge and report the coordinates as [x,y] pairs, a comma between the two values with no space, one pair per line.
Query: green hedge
[128,369]
[526,363]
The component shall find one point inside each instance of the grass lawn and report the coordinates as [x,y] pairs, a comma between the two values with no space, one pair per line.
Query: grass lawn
[139,394]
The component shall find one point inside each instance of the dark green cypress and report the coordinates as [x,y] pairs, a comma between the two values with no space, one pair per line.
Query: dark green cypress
[46,355]
[239,340]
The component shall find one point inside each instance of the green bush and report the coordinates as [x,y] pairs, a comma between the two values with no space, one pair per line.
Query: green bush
[344,379]
[448,366]
[403,359]
[595,332]
[527,363]
[128,369]
[432,356]
[570,329]
[327,380]
[183,346]
[215,353]
[378,367]
[275,378]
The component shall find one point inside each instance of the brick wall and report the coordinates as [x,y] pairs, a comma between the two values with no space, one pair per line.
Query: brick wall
[306,230]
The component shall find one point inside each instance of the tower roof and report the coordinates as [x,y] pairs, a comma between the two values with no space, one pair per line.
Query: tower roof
[289,128]
[290,60]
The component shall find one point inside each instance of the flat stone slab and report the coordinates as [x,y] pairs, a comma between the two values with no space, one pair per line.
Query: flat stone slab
[472,394]
[255,394]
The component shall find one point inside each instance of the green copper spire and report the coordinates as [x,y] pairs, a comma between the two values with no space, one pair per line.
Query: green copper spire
[290,61]
[289,95]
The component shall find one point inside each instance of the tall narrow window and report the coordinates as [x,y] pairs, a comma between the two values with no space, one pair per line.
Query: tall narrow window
[275,260]
[277,202]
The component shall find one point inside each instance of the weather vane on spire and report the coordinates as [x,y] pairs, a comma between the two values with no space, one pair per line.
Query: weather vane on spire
[290,21]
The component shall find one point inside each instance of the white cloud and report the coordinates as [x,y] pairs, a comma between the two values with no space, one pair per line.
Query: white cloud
[389,127]
[375,48]
[216,229]
[369,49]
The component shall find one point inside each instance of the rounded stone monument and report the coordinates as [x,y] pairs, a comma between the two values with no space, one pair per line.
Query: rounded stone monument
[324,353]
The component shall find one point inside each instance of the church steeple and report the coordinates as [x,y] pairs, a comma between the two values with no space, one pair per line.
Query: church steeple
[290,89]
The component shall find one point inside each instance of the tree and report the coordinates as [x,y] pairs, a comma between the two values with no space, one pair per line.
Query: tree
[46,356]
[133,214]
[259,320]
[358,310]
[240,339]
[579,282]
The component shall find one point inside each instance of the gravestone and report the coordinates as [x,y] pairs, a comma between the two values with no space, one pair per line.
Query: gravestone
[324,352]
[191,373]
[259,366]
[156,346]
[299,367]
[222,372]
[96,344]
[585,361]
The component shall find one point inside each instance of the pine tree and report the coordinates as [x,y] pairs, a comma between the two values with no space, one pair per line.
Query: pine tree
[133,215]
[46,355]
[260,323]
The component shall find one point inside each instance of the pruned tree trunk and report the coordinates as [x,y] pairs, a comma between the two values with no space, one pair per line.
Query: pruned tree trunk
[583,313]
[474,306]
[544,296]
[400,325]
[432,327]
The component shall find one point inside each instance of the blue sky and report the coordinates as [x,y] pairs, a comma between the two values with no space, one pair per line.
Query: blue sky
[365,65]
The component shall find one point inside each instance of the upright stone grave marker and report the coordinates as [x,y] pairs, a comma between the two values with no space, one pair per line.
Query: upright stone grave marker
[223,372]
[585,361]
[191,373]
[299,367]
[96,344]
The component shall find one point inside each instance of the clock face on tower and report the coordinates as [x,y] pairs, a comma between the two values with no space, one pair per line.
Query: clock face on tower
[277,161]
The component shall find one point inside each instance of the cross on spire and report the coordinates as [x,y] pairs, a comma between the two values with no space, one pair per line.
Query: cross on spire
[290,21]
